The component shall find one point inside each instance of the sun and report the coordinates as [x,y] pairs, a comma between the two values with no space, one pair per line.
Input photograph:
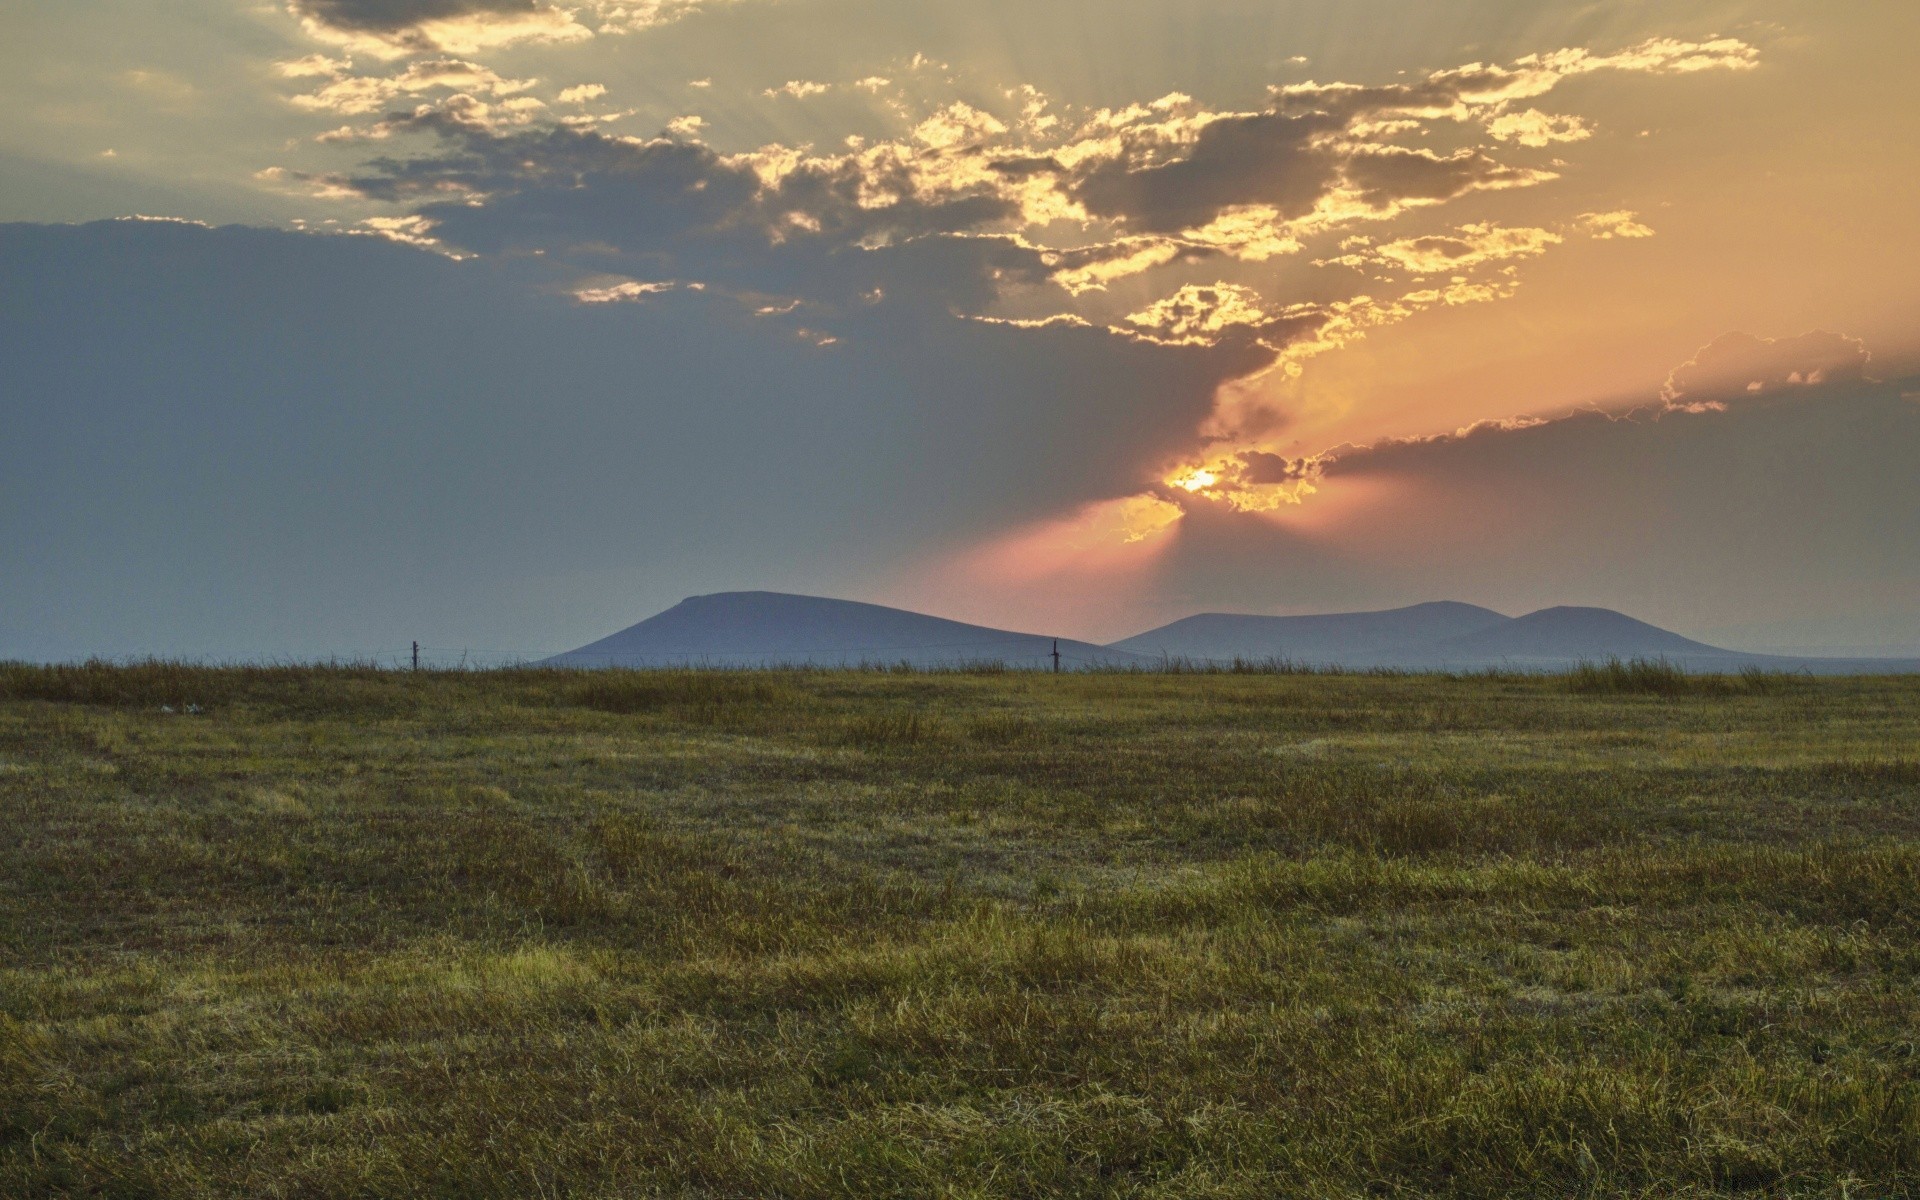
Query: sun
[1198,479]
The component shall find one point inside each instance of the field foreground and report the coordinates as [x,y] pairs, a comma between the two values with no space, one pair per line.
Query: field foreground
[346,933]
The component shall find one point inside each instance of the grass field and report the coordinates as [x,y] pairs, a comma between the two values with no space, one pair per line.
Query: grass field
[349,933]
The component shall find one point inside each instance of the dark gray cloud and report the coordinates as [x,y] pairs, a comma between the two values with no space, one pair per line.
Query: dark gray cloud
[1740,364]
[674,208]
[1786,519]
[557,188]
[394,16]
[1314,140]
[304,444]
[1735,368]
[1387,176]
[1165,183]
[1262,158]
[1171,170]
[1289,158]
[1261,467]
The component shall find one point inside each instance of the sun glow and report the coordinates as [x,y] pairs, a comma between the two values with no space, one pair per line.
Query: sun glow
[1234,482]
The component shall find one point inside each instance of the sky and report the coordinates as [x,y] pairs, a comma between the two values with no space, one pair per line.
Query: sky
[330,325]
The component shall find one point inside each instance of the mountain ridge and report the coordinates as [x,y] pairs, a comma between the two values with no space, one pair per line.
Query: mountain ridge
[1308,639]
[761,628]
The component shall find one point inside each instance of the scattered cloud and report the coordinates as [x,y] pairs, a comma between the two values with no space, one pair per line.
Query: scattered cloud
[1531,127]
[1030,215]
[397,28]
[798,89]
[1468,246]
[314,65]
[626,291]
[581,93]
[354,95]
[1091,268]
[1607,225]
[1160,182]
[1202,315]
[408,231]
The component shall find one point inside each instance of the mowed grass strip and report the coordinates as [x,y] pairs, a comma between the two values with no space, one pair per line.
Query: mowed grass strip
[339,932]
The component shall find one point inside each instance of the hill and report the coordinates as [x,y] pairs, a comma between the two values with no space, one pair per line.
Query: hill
[1327,639]
[1454,637]
[757,629]
[1555,636]
[774,628]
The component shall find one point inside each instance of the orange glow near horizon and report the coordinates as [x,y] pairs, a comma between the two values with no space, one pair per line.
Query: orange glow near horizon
[1084,574]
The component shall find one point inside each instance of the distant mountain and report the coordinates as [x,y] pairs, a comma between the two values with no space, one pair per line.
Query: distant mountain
[1462,637]
[1326,639]
[734,629]
[1556,635]
[771,628]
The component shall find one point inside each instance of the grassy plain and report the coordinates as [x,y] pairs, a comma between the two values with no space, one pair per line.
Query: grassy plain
[350,933]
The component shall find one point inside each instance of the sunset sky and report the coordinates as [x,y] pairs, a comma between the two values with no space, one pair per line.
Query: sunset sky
[331,324]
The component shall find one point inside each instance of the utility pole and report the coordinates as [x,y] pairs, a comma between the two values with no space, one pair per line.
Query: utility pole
[1056,656]
[416,656]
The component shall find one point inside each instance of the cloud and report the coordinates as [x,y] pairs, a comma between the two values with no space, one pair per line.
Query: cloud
[393,16]
[314,66]
[408,230]
[1799,503]
[391,28]
[1739,364]
[353,95]
[395,28]
[1468,246]
[1172,167]
[1264,467]
[1531,127]
[798,89]
[582,93]
[1163,182]
[1030,216]
[777,220]
[1183,172]
[626,291]
[1605,226]
[553,465]
[1205,315]
[1388,179]
[1488,89]
[1092,268]
[1250,477]
[1735,365]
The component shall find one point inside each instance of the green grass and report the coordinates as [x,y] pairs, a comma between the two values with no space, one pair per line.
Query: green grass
[1657,677]
[341,932]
